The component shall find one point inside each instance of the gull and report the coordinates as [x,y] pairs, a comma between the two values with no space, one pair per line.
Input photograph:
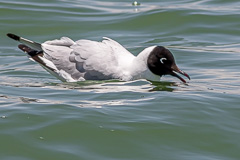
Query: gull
[82,60]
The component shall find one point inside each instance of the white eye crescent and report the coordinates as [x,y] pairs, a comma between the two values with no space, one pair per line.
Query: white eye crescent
[162,59]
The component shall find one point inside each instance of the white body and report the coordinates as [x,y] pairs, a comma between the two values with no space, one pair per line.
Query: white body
[91,60]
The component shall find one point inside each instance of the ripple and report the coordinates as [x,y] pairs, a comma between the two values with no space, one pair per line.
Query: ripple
[123,120]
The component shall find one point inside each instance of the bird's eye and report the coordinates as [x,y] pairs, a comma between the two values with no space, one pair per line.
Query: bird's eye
[163,59]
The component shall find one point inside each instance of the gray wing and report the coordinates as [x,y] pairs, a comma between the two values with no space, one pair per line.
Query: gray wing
[86,59]
[56,54]
[96,59]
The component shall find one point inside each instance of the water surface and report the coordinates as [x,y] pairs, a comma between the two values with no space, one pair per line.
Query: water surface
[43,118]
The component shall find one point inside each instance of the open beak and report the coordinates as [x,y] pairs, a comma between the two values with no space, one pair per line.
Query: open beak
[176,70]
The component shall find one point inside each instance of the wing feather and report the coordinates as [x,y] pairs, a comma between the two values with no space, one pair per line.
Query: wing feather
[97,59]
[86,59]
[58,53]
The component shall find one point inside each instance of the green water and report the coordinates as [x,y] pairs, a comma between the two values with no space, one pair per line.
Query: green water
[43,118]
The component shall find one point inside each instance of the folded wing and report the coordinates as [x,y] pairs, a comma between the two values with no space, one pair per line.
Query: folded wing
[86,59]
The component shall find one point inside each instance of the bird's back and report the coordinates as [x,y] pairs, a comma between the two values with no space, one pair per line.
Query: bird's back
[92,60]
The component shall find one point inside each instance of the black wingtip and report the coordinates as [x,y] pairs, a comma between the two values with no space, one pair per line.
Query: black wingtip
[13,36]
[27,50]
[31,52]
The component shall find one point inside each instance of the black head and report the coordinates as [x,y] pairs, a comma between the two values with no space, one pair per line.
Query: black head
[161,62]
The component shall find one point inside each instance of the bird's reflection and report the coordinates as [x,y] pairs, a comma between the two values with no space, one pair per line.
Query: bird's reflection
[163,86]
[117,86]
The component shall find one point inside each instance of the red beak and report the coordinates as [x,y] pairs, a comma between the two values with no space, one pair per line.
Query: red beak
[176,70]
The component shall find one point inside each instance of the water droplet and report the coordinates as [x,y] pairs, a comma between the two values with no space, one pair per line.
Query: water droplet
[3,117]
[135,3]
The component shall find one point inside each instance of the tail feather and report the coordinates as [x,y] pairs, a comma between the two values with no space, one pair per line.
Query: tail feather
[35,52]
[29,43]
[38,57]
[34,55]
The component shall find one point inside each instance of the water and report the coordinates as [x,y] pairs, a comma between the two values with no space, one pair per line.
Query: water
[43,118]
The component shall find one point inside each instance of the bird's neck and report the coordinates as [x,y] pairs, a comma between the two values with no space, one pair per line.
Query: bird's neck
[141,70]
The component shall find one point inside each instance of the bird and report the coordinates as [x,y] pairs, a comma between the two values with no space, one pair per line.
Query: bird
[72,61]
